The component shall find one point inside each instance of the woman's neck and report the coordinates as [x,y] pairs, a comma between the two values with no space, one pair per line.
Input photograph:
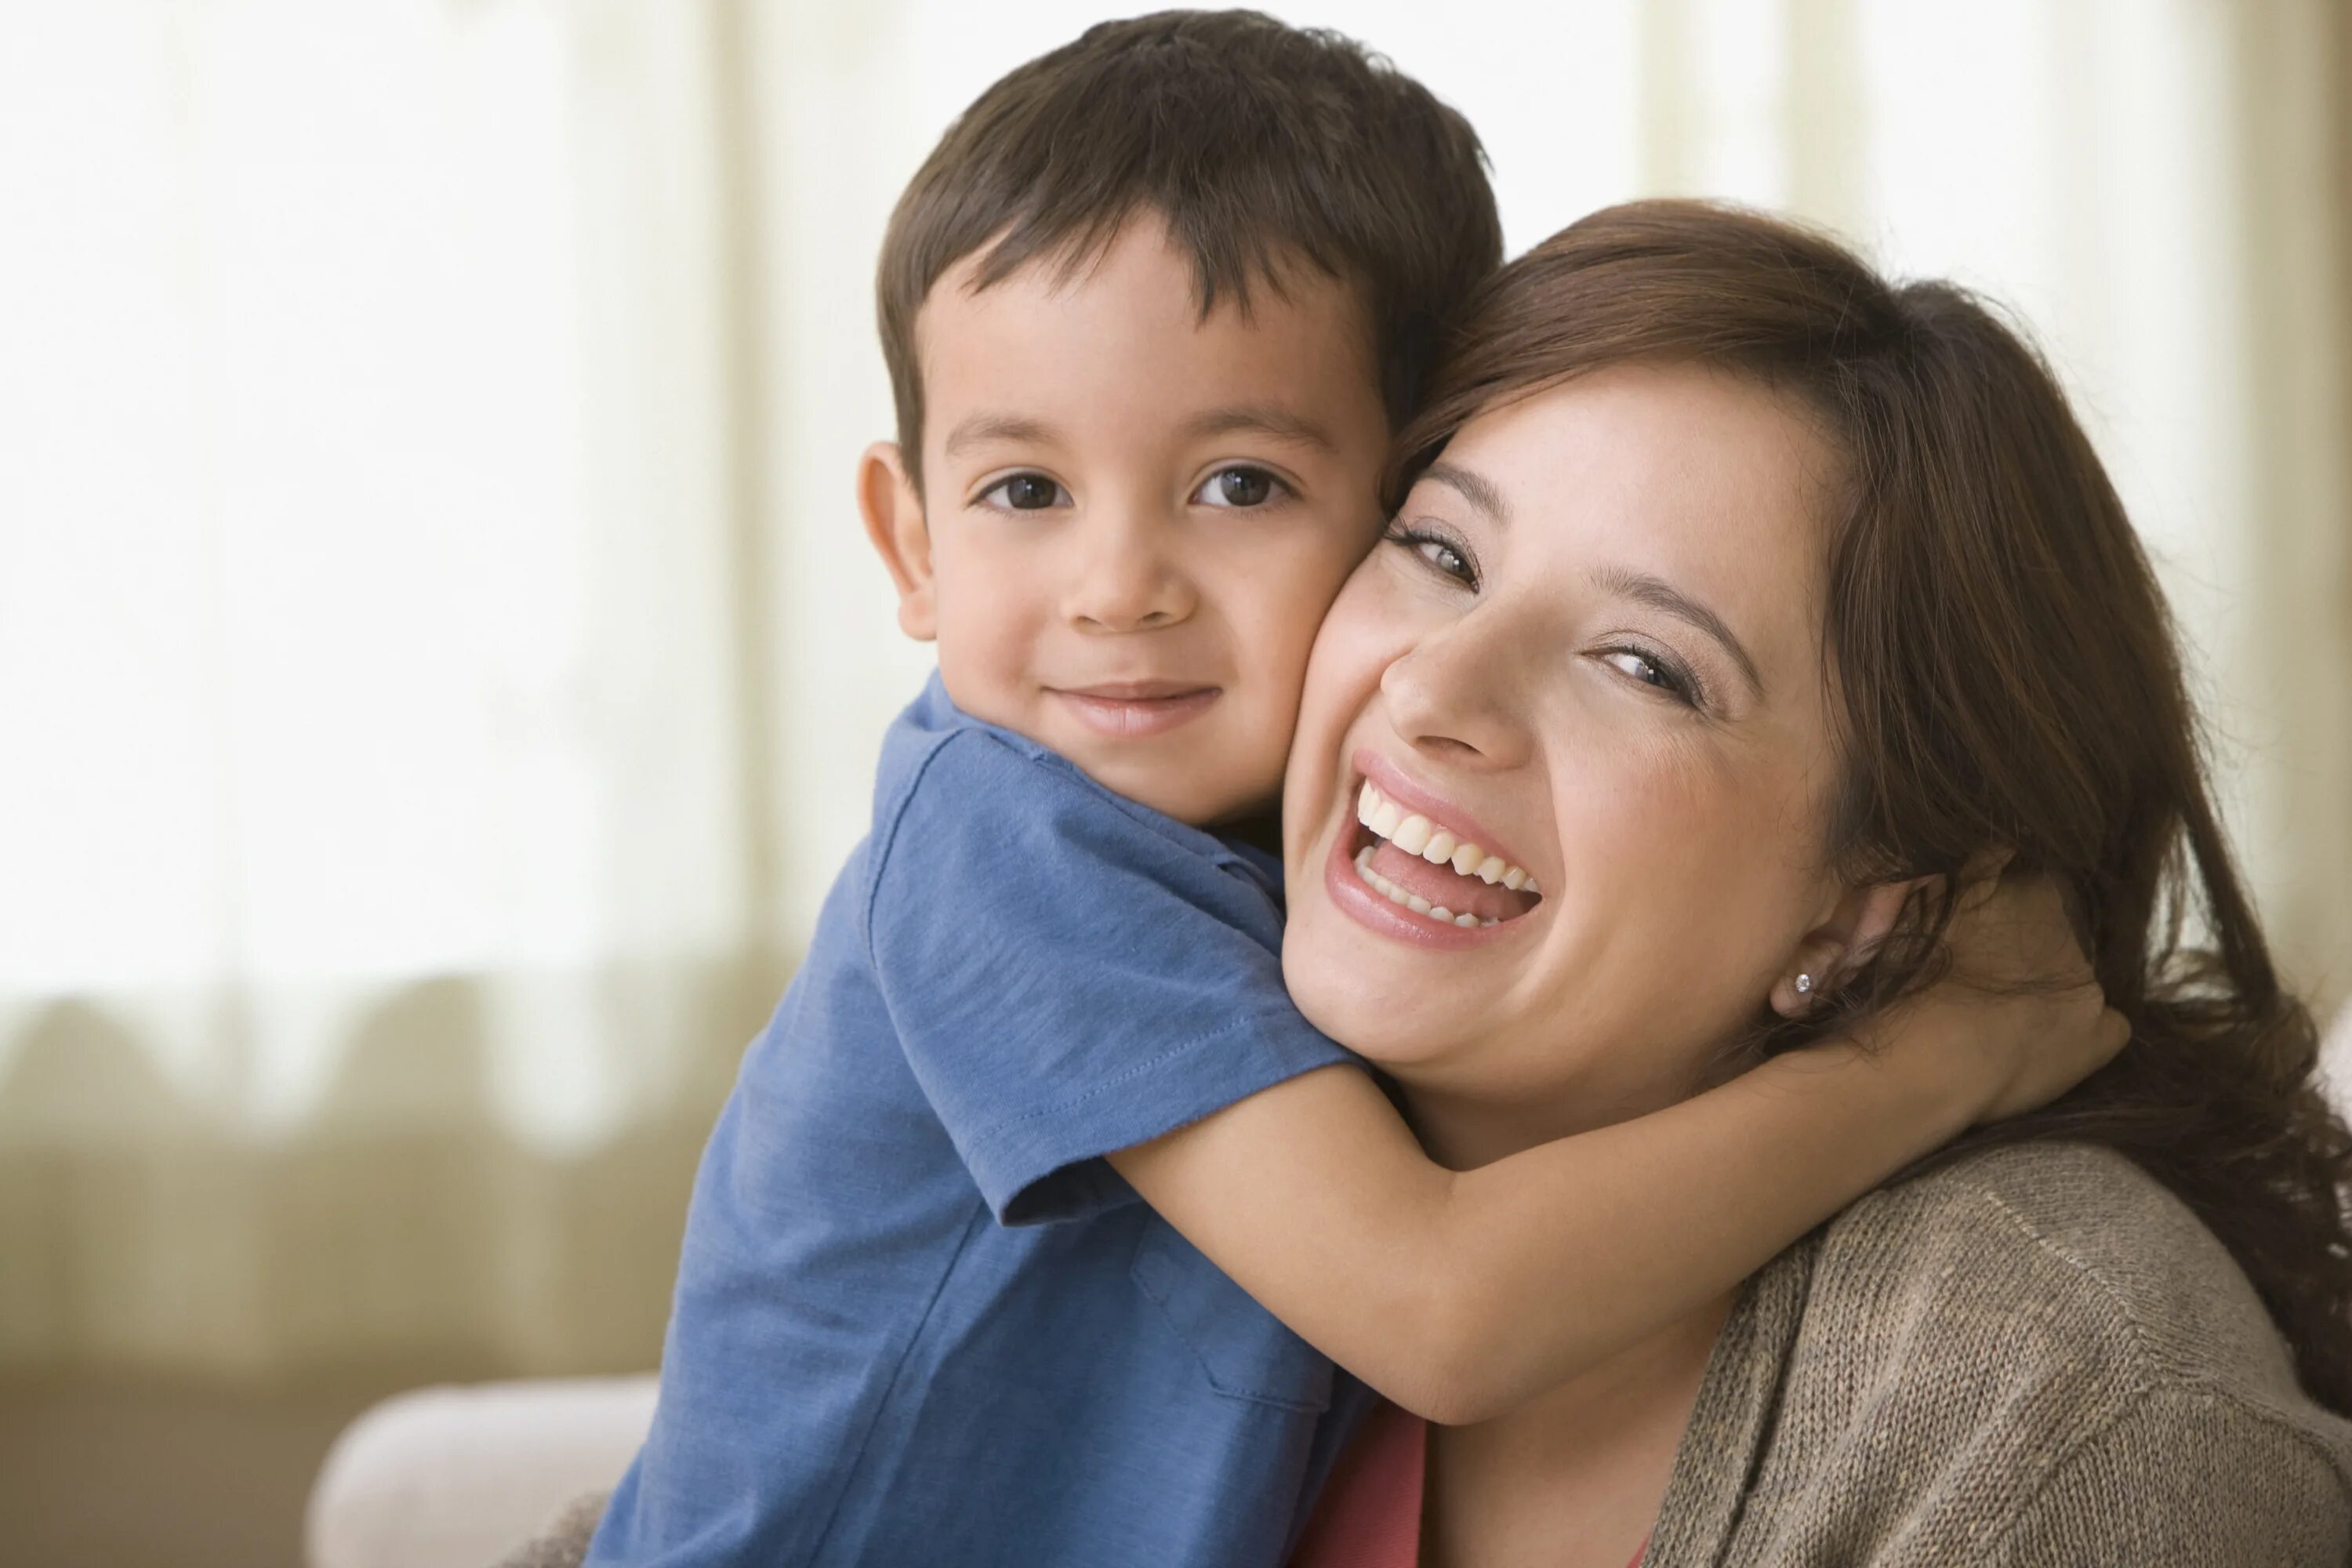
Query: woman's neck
[1575,1475]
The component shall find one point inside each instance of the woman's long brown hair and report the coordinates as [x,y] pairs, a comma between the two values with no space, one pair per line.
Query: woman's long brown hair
[2003,676]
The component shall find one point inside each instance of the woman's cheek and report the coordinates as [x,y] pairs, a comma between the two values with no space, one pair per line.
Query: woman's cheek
[1664,857]
[1389,616]
[1357,641]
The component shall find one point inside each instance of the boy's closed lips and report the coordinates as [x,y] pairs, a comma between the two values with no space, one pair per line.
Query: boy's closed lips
[1137,709]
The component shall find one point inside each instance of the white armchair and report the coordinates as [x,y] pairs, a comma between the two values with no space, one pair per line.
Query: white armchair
[460,1477]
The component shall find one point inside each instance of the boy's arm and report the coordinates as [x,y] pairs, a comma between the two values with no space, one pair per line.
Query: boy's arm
[1459,1295]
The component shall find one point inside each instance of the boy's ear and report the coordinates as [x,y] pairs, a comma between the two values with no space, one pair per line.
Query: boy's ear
[1832,950]
[893,510]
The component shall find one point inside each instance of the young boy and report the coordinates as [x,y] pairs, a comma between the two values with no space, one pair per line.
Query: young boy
[1152,310]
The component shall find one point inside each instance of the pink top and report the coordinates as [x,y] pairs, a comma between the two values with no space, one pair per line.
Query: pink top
[1369,1513]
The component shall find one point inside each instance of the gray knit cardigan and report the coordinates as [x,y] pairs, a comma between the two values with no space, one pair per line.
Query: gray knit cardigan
[2034,1356]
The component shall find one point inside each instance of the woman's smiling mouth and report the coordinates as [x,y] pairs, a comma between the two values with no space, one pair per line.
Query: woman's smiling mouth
[1409,874]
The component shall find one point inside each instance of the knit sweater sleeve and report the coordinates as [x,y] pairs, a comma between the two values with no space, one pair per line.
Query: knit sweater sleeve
[2036,1356]
[2238,1487]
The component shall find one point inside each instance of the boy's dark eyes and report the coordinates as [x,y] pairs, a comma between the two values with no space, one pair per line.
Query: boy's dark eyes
[1240,485]
[1025,492]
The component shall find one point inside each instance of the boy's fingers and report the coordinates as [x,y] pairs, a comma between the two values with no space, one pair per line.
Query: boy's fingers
[2115,1032]
[1985,867]
[1976,894]
[2023,937]
[1989,904]
[1999,919]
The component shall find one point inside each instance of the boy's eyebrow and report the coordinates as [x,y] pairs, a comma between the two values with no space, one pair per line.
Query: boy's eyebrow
[980,427]
[1263,419]
[1473,487]
[1259,418]
[1661,595]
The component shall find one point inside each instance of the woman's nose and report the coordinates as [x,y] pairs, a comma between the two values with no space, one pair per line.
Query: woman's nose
[1449,696]
[1127,579]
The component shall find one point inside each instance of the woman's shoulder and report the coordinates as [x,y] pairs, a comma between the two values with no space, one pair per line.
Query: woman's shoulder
[2058,1260]
[2038,1343]
[2047,1243]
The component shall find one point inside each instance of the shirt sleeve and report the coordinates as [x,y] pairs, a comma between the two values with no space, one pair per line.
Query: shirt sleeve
[1068,976]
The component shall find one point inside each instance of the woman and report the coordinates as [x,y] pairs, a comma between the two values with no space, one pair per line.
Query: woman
[1747,600]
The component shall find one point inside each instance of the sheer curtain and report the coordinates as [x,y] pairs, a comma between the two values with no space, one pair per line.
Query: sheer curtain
[379,921]
[441,669]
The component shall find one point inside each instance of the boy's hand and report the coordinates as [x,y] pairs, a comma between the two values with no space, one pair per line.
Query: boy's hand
[2021,1011]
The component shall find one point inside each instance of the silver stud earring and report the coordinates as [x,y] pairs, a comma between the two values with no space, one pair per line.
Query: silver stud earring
[1804,985]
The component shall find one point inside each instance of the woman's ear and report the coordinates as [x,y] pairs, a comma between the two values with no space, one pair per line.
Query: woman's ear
[1834,950]
[893,510]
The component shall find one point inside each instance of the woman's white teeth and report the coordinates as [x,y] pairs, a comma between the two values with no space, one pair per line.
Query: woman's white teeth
[1412,902]
[1416,835]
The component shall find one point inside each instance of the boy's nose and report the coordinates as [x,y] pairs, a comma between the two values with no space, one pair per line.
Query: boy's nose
[1128,583]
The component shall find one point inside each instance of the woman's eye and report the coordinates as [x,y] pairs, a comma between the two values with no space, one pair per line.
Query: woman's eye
[1026,492]
[1435,549]
[1647,670]
[1444,557]
[1237,487]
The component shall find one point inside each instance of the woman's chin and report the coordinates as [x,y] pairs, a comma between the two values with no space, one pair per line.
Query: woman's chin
[1345,988]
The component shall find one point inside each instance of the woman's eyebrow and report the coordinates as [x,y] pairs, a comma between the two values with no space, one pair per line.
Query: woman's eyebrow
[1473,487]
[1661,595]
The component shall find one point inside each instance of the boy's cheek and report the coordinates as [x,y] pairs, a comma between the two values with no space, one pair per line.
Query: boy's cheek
[981,660]
[1308,587]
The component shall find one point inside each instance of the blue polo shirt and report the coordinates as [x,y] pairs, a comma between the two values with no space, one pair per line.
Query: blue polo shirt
[918,1319]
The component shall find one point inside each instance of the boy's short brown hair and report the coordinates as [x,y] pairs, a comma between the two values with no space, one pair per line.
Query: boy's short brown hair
[1259,144]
